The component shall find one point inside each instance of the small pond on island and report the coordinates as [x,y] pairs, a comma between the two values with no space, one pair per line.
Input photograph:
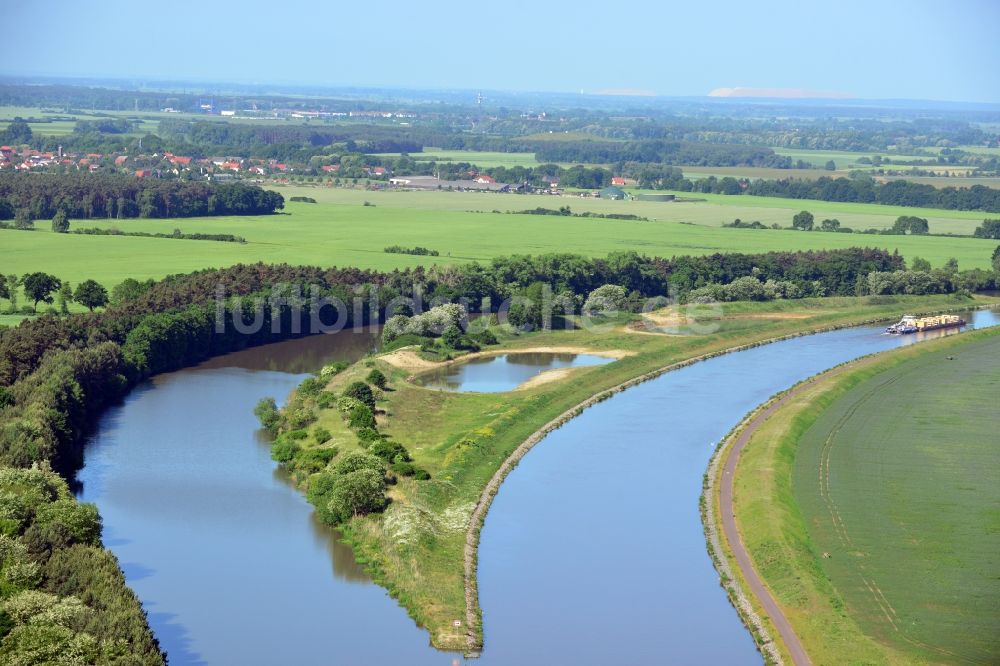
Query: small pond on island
[496,374]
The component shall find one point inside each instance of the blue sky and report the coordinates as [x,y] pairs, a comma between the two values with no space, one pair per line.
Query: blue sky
[916,49]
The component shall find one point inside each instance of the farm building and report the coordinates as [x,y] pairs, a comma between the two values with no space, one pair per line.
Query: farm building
[614,193]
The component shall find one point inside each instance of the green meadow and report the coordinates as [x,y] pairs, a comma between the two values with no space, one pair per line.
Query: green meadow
[340,230]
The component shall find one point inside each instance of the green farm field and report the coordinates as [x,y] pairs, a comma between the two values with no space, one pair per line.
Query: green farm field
[63,127]
[702,209]
[843,159]
[340,230]
[482,159]
[867,506]
[906,501]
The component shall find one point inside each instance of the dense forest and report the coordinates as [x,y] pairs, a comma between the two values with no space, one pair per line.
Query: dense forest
[859,189]
[892,193]
[111,196]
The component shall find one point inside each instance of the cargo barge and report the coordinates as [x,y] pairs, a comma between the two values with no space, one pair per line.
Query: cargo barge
[911,324]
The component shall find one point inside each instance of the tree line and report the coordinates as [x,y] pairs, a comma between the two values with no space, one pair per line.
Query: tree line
[77,195]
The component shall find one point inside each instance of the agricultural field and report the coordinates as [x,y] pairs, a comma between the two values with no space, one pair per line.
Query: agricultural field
[340,230]
[905,500]
[868,505]
[846,162]
[482,159]
[61,127]
[694,208]
[844,159]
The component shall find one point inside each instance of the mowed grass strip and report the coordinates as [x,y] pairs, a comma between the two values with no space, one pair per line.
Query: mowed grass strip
[903,521]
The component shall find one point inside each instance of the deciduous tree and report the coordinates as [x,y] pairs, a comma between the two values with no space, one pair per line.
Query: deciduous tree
[39,287]
[803,220]
[91,294]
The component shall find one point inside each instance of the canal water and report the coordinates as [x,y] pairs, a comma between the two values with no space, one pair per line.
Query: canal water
[592,553]
[495,374]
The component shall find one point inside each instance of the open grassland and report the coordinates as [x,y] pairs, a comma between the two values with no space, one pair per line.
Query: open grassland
[347,233]
[951,176]
[341,231]
[62,127]
[845,159]
[703,209]
[416,547]
[868,504]
[482,159]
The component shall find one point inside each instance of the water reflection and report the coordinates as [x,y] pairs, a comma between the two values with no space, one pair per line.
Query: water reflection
[301,355]
[495,374]
[345,567]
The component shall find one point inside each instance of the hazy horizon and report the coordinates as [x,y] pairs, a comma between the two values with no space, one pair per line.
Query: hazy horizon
[917,50]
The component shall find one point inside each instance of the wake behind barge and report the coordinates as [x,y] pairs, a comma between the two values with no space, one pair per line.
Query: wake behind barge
[911,324]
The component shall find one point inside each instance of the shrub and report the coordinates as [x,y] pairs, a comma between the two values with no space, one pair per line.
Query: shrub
[311,387]
[315,459]
[377,378]
[434,322]
[356,460]
[605,299]
[404,468]
[284,450]
[362,392]
[422,475]
[391,452]
[321,434]
[367,435]
[326,399]
[346,404]
[333,369]
[362,417]
[80,520]
[485,337]
[267,413]
[299,418]
[60,223]
[357,493]
[452,337]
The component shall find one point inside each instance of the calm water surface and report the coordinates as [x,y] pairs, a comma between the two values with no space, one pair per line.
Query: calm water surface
[592,553]
[495,374]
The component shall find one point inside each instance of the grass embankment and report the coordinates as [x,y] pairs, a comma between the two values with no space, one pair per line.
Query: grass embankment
[416,548]
[868,505]
[340,230]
